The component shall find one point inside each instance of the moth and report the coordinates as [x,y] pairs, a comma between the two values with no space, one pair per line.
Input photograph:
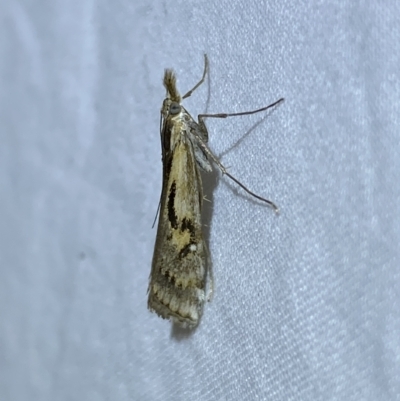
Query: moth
[181,265]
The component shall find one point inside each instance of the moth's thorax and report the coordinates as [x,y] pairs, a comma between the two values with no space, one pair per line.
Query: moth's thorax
[176,125]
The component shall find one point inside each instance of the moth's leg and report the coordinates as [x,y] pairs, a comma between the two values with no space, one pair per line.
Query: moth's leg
[243,113]
[158,211]
[210,289]
[209,153]
[199,129]
[201,80]
[203,127]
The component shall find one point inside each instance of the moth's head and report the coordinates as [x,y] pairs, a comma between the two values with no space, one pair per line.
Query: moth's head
[170,108]
[171,105]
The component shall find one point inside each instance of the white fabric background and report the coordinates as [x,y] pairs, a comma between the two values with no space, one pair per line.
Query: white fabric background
[307,303]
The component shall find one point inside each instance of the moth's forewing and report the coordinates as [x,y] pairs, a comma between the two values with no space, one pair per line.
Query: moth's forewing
[179,267]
